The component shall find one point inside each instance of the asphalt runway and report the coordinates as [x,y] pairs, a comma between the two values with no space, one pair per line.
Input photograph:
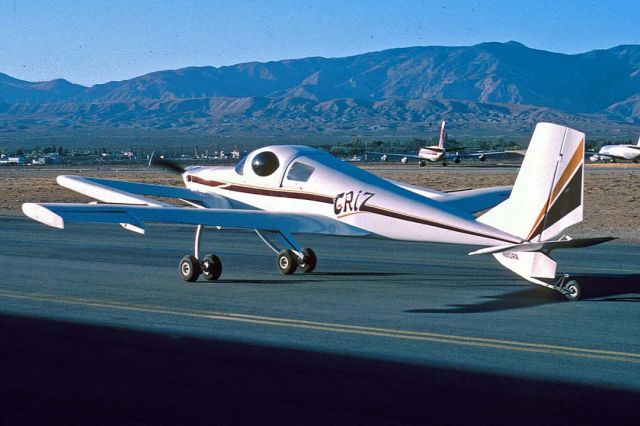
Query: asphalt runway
[97,326]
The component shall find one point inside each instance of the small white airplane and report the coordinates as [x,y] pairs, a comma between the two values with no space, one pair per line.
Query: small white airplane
[617,152]
[279,191]
[438,153]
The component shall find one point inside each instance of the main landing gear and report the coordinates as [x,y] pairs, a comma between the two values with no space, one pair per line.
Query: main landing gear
[287,261]
[191,268]
[289,257]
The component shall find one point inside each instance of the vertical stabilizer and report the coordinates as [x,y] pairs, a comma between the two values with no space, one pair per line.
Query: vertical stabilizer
[548,193]
[441,140]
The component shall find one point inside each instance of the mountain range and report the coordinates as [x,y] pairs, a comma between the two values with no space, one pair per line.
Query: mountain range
[502,86]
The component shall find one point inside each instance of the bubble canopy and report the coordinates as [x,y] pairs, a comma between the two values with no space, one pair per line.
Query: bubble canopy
[265,163]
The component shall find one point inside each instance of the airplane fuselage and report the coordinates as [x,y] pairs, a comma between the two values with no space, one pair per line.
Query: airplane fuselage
[617,152]
[431,153]
[306,180]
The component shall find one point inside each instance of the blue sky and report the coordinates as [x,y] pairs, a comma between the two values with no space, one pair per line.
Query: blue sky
[91,41]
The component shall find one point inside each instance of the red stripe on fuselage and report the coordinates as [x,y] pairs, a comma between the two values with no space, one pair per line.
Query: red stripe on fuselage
[330,200]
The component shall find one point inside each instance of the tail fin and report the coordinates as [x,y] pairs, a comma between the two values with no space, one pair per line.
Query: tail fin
[548,192]
[441,140]
[638,141]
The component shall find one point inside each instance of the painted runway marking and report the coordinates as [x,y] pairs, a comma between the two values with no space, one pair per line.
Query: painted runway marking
[339,328]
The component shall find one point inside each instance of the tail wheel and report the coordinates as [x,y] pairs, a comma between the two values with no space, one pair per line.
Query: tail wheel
[189,268]
[286,263]
[573,291]
[211,267]
[308,264]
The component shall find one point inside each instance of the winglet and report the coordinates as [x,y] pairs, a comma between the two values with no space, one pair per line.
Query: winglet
[43,215]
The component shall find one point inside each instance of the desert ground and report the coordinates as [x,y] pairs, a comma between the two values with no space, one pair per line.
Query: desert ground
[612,192]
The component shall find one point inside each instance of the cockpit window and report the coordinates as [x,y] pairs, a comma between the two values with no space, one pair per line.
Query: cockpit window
[265,163]
[240,166]
[300,172]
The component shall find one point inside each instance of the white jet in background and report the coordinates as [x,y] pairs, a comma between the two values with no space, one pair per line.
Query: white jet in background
[279,191]
[617,152]
[433,153]
[438,153]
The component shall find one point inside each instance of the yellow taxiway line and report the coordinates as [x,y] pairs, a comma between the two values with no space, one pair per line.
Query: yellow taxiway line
[338,328]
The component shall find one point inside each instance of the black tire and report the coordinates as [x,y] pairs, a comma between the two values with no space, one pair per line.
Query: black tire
[189,268]
[211,267]
[310,260]
[574,292]
[444,163]
[422,163]
[286,262]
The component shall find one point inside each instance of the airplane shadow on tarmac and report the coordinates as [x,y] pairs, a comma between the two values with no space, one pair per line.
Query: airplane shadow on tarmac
[360,274]
[595,288]
[610,288]
[306,281]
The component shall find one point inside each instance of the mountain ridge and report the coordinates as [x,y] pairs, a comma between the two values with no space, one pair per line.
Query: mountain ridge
[382,89]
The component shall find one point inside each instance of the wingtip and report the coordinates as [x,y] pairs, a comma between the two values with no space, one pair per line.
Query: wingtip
[42,214]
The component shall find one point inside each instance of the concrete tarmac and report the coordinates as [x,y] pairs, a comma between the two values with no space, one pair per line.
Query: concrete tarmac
[96,324]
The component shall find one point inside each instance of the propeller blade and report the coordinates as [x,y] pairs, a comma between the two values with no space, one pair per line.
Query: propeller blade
[158,161]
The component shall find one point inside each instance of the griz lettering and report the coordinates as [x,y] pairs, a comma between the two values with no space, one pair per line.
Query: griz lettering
[352,201]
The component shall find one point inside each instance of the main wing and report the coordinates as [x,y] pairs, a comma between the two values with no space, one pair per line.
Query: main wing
[124,192]
[483,155]
[126,205]
[56,214]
